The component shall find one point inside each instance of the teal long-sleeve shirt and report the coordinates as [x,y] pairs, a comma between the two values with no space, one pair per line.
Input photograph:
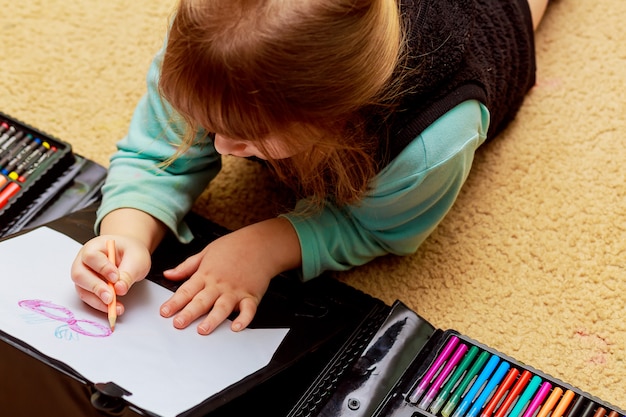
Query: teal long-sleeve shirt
[408,198]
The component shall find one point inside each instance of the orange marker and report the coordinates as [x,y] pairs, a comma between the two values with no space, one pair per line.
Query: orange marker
[113,303]
[550,402]
[560,409]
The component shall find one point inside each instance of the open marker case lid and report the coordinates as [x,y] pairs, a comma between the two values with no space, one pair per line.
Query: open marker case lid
[322,315]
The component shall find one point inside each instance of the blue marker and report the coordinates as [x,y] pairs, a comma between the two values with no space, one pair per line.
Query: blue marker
[491,385]
[480,381]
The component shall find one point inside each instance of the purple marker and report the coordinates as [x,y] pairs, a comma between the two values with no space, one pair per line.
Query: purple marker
[430,373]
[436,386]
[536,402]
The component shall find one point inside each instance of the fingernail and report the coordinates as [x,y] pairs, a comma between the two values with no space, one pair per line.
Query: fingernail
[203,329]
[178,322]
[107,298]
[165,311]
[112,276]
[236,327]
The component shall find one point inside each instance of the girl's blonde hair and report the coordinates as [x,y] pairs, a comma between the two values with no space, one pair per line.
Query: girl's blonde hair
[309,71]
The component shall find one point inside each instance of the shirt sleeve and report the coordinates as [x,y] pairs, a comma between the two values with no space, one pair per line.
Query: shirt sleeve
[409,198]
[141,174]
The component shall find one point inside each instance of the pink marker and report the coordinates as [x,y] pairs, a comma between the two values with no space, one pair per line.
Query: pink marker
[436,386]
[439,360]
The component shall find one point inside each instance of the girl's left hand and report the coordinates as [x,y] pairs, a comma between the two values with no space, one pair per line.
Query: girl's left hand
[232,274]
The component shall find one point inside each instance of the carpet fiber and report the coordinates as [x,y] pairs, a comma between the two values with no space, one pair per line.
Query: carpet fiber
[531,259]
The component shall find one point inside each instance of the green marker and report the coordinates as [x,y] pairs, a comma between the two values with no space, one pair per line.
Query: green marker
[525,397]
[456,397]
[445,391]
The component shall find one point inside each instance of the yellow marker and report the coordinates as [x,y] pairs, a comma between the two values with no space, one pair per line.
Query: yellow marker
[112,305]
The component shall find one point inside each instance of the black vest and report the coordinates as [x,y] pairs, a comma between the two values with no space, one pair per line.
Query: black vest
[460,50]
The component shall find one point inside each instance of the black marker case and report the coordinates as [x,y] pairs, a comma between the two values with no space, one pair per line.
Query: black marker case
[380,381]
[46,174]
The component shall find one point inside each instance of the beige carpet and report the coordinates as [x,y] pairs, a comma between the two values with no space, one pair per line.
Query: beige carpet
[532,258]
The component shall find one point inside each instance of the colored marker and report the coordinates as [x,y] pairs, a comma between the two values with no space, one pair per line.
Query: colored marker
[8,192]
[13,188]
[112,312]
[502,389]
[22,153]
[488,390]
[28,160]
[536,401]
[5,136]
[12,146]
[430,373]
[10,143]
[436,386]
[515,391]
[613,413]
[476,386]
[456,397]
[578,407]
[4,132]
[456,376]
[3,180]
[550,402]
[36,164]
[563,404]
[589,410]
[526,396]
[600,412]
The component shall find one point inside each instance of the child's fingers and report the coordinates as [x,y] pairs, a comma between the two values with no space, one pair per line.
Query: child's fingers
[185,269]
[88,283]
[187,302]
[94,301]
[247,311]
[222,308]
[99,263]
[133,267]
[124,283]
[91,298]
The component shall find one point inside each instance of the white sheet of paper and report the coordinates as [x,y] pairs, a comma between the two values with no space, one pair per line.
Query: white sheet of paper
[168,371]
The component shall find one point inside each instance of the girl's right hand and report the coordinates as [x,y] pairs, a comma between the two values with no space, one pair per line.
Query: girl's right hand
[92,271]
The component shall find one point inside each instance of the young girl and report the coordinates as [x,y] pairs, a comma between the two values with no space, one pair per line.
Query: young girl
[370,110]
